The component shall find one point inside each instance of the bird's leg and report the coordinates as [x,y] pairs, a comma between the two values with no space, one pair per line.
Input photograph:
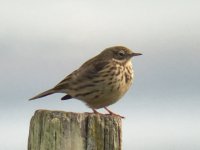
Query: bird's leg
[112,113]
[96,112]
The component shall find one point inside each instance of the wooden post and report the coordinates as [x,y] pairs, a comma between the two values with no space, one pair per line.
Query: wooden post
[58,130]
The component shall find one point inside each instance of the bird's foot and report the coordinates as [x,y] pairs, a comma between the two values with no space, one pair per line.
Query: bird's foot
[112,113]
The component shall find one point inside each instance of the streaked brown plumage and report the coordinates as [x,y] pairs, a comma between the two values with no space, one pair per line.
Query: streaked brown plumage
[99,82]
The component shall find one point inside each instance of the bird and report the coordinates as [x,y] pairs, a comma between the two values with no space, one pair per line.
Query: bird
[99,82]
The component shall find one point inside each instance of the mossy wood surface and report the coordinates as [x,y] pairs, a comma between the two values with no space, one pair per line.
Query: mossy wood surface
[58,130]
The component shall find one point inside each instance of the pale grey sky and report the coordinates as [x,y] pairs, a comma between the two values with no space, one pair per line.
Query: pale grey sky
[43,41]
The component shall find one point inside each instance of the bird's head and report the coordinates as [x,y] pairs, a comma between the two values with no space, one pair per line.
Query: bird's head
[119,54]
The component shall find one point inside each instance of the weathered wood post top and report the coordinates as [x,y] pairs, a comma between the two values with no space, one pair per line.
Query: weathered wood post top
[59,130]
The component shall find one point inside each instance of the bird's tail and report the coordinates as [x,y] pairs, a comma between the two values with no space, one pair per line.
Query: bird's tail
[43,94]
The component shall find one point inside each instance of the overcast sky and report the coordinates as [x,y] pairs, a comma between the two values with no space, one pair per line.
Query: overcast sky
[43,41]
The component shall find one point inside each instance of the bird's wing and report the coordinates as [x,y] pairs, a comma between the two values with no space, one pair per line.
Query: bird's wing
[65,82]
[88,70]
[92,67]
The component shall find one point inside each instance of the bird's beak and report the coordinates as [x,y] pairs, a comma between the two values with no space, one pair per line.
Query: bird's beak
[135,54]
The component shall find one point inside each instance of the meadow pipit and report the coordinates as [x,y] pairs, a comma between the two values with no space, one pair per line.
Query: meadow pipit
[99,82]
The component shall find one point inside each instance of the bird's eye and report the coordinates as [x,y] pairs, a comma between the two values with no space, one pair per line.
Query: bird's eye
[121,53]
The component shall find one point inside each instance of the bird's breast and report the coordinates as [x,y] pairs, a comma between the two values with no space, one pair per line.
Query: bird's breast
[106,88]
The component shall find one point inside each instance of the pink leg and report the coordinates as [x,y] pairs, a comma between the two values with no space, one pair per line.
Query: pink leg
[112,113]
[96,112]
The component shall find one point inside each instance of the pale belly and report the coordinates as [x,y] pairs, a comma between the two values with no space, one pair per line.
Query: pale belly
[107,91]
[109,94]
